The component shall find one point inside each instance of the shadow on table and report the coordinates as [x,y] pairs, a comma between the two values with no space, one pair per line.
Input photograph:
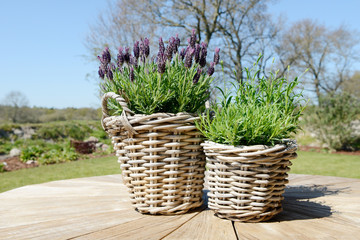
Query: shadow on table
[298,206]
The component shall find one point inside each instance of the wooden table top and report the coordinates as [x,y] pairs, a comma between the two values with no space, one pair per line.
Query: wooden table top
[315,207]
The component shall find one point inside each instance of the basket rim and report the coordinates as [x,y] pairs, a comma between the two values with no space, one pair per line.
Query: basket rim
[158,114]
[288,144]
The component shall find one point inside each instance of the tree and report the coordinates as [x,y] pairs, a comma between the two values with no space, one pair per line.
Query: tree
[241,28]
[327,54]
[16,101]
[352,85]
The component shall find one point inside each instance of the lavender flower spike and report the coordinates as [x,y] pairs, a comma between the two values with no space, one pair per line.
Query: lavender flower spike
[127,55]
[193,39]
[203,55]
[211,69]
[134,61]
[132,75]
[147,47]
[106,57]
[101,73]
[182,54]
[216,56]
[120,58]
[109,73]
[197,53]
[161,46]
[161,62]
[136,49]
[177,41]
[188,57]
[197,76]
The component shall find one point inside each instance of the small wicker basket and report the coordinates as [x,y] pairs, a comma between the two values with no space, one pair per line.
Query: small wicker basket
[246,183]
[161,158]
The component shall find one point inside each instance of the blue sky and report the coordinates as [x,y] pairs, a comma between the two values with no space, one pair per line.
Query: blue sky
[41,44]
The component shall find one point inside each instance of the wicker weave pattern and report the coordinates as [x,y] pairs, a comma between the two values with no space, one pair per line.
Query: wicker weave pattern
[161,159]
[246,183]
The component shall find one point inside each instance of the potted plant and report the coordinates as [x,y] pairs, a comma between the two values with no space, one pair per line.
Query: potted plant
[248,151]
[149,108]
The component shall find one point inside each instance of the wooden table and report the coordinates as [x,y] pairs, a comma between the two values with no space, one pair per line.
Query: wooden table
[315,207]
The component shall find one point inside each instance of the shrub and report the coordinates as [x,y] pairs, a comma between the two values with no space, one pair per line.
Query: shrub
[333,121]
[2,167]
[31,153]
[263,111]
[48,153]
[59,130]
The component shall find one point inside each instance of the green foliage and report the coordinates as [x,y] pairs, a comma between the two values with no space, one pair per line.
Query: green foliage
[333,120]
[263,111]
[173,91]
[31,153]
[58,130]
[8,126]
[44,115]
[5,146]
[2,167]
[48,153]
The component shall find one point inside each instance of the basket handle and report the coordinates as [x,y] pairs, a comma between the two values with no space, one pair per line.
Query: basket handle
[119,99]
[126,111]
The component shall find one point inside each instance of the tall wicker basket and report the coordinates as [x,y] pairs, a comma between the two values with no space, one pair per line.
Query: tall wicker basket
[246,183]
[161,158]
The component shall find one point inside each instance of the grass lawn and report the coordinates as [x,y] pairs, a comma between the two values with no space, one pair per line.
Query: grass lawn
[46,173]
[339,165]
[306,163]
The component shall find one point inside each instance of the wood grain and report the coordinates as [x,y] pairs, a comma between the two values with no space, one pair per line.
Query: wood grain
[315,207]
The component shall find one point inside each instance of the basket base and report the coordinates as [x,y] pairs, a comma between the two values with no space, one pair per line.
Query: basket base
[177,210]
[250,217]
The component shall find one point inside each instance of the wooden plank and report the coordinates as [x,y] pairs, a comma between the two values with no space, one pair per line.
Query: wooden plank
[62,199]
[147,227]
[204,226]
[99,208]
[315,207]
[65,228]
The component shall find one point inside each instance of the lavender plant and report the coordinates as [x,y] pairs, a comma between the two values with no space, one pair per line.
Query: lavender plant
[262,111]
[172,81]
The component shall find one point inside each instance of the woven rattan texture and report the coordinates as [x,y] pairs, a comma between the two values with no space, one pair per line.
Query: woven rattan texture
[246,183]
[161,159]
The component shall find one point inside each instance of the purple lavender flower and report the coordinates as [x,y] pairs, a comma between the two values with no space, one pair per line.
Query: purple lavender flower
[203,54]
[120,58]
[182,54]
[131,74]
[127,55]
[168,53]
[136,49]
[177,42]
[147,47]
[101,73]
[161,62]
[106,57]
[188,58]
[197,53]
[216,56]
[134,61]
[193,39]
[161,46]
[211,69]
[109,73]
[197,76]
[173,45]
[142,48]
